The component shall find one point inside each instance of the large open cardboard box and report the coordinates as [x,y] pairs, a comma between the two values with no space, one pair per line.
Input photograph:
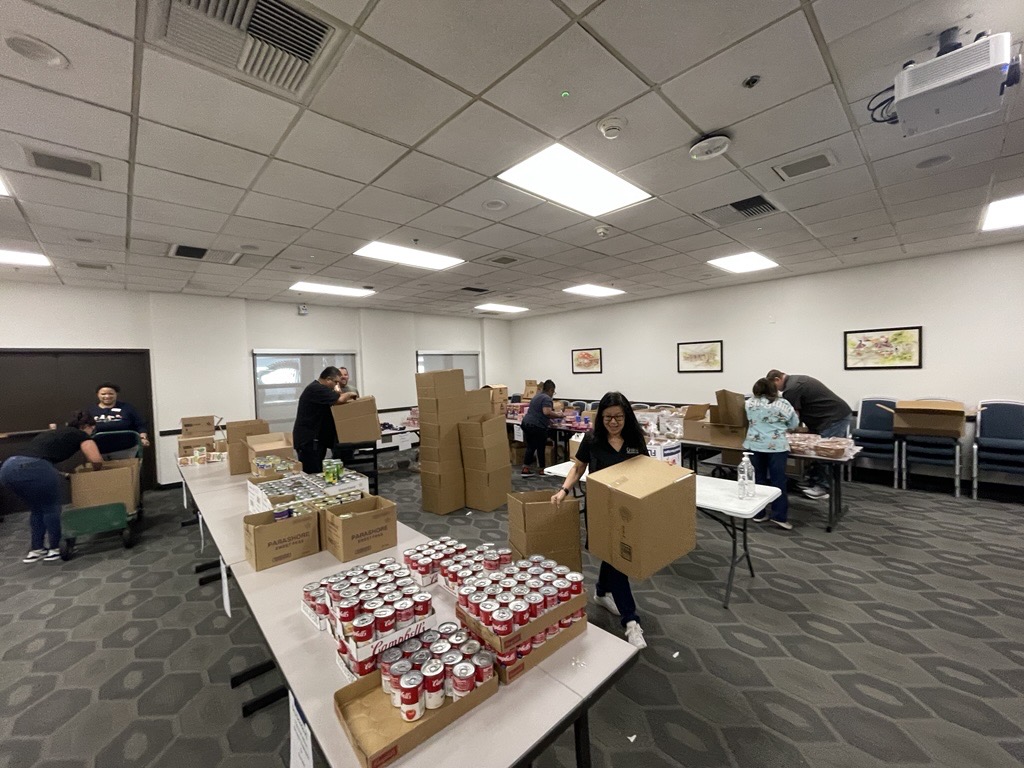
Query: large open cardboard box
[538,527]
[198,426]
[356,421]
[359,528]
[238,451]
[116,481]
[641,515]
[270,444]
[269,542]
[932,418]
[377,732]
[728,427]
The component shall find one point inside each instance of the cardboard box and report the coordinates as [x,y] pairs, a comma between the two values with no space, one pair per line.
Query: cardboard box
[269,543]
[542,622]
[239,430]
[446,467]
[530,388]
[513,672]
[448,452]
[259,500]
[934,418]
[697,430]
[442,410]
[238,459]
[187,445]
[382,642]
[486,491]
[359,528]
[478,402]
[356,421]
[378,734]
[728,427]
[574,444]
[432,433]
[446,383]
[499,392]
[281,467]
[441,494]
[641,515]
[270,444]
[198,426]
[116,481]
[486,459]
[484,443]
[536,526]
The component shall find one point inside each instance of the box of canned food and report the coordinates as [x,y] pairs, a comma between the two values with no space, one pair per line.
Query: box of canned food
[380,733]
[505,629]
[533,650]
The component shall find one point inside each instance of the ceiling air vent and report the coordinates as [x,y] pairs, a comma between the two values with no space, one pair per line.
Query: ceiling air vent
[72,166]
[504,260]
[815,165]
[92,266]
[269,41]
[741,210]
[477,290]
[206,255]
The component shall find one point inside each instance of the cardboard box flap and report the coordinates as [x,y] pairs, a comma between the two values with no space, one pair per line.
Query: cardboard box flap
[944,407]
[356,421]
[239,430]
[270,441]
[731,409]
[696,411]
[642,477]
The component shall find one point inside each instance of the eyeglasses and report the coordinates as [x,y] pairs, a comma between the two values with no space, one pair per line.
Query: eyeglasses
[611,419]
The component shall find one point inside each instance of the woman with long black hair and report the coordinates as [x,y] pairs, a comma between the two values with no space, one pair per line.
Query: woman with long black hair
[616,436]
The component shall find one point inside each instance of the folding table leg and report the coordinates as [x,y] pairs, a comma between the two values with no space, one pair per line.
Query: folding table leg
[581,730]
[731,528]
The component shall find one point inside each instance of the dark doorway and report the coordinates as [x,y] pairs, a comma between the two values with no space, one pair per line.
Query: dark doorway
[39,387]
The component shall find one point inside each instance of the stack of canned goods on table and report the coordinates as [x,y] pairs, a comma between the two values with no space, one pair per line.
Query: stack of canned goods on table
[427,560]
[307,507]
[440,663]
[273,465]
[333,476]
[367,604]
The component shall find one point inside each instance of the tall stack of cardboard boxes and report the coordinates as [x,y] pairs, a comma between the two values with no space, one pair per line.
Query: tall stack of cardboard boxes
[485,458]
[441,397]
[499,399]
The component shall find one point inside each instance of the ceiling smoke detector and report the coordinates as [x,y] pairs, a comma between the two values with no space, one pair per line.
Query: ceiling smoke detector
[710,146]
[36,50]
[612,127]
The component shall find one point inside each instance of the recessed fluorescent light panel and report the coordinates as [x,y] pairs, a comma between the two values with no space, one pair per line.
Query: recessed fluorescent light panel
[409,257]
[1003,214]
[743,262]
[501,308]
[22,259]
[597,291]
[561,175]
[4,192]
[334,290]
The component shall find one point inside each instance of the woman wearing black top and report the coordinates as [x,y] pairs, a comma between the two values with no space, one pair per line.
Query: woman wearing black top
[617,436]
[33,477]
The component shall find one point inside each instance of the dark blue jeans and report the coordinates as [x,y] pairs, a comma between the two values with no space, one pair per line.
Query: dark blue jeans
[610,579]
[37,483]
[536,443]
[770,469]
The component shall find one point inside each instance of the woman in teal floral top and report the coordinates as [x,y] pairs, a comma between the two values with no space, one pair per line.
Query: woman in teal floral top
[770,416]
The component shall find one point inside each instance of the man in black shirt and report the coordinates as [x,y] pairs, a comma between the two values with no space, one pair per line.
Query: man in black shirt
[822,410]
[314,433]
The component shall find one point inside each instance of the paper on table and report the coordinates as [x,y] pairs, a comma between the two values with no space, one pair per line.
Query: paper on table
[301,740]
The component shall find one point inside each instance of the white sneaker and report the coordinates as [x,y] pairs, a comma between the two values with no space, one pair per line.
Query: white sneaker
[608,603]
[35,555]
[786,526]
[635,635]
[51,556]
[816,492]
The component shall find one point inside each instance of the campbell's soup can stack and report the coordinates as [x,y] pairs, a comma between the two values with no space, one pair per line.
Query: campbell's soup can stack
[439,664]
[448,559]
[507,598]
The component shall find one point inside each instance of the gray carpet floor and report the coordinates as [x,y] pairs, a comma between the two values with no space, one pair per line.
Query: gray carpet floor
[897,640]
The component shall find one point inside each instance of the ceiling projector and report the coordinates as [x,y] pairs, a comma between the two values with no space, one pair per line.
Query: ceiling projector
[962,83]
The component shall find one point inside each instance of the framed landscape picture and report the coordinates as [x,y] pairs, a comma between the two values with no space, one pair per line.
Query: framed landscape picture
[586,360]
[699,356]
[882,348]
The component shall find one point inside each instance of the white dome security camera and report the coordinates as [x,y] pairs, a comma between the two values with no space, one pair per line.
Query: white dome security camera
[612,127]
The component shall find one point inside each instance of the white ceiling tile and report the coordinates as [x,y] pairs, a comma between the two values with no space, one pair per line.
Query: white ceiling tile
[664,37]
[311,257]
[172,214]
[652,128]
[378,92]
[384,204]
[53,216]
[696,242]
[1004,189]
[159,267]
[675,170]
[545,218]
[613,246]
[184,96]
[728,188]
[776,222]
[256,205]
[464,249]
[142,247]
[965,217]
[869,234]
[838,209]
[104,79]
[448,221]
[173,234]
[115,15]
[40,189]
[471,43]
[261,229]
[963,151]
[485,140]
[191,155]
[839,18]
[807,119]
[848,223]
[15,152]
[786,58]
[1014,142]
[865,245]
[282,179]
[583,233]
[758,242]
[410,237]
[499,236]
[846,183]
[516,201]
[184,190]
[952,201]
[795,252]
[62,120]
[978,175]
[844,150]
[24,275]
[328,241]
[641,215]
[574,62]
[684,226]
[540,247]
[360,227]
[227,242]
[84,254]
[324,144]
[16,230]
[427,178]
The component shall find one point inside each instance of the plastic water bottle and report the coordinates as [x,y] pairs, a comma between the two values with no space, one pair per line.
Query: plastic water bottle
[745,475]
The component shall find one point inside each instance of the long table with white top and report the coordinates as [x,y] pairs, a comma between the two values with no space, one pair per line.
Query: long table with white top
[718,499]
[557,693]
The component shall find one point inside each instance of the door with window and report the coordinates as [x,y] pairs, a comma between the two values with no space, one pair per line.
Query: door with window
[280,376]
